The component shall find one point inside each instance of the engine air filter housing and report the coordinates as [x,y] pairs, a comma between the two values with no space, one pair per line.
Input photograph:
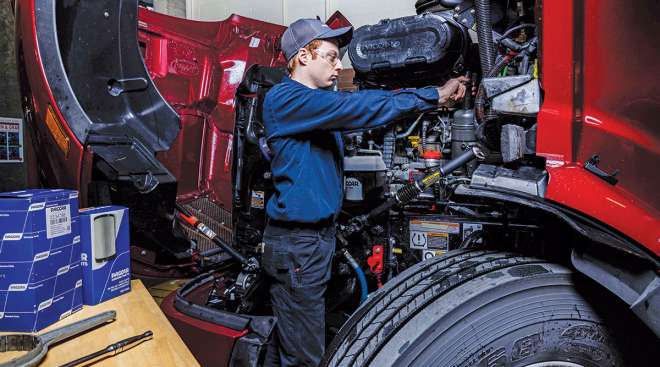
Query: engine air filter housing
[411,51]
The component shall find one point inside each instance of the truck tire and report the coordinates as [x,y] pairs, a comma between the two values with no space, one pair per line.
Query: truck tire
[481,308]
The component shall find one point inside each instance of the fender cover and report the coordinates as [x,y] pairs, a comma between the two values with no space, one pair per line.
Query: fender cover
[102,87]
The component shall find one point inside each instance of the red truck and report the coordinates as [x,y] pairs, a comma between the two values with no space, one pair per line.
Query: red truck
[520,228]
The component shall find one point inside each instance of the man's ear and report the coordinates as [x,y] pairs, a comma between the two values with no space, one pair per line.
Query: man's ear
[303,56]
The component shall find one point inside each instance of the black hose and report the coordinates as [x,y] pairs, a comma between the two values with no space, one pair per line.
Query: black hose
[471,239]
[513,29]
[485,36]
[457,163]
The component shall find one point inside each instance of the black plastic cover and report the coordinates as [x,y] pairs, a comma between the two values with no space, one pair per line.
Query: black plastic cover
[95,70]
[260,76]
[407,52]
[435,5]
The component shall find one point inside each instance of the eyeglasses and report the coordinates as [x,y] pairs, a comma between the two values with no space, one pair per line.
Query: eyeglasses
[331,57]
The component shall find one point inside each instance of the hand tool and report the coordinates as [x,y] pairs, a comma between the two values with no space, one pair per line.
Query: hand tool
[37,345]
[117,348]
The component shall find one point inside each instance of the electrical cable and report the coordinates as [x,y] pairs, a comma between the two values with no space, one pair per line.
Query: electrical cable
[513,29]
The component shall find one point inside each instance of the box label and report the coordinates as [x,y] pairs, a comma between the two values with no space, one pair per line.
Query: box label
[45,304]
[12,236]
[17,287]
[36,207]
[58,221]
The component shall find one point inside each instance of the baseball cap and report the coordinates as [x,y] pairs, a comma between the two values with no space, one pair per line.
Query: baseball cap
[303,31]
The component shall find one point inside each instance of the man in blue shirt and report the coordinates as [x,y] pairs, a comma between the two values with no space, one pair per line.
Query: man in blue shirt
[303,123]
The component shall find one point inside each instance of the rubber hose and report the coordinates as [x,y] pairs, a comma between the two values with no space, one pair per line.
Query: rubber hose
[485,36]
[518,27]
[364,292]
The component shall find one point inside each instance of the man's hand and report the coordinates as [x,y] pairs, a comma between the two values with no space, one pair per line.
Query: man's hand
[452,91]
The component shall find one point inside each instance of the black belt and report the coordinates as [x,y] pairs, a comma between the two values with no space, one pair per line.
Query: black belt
[322,224]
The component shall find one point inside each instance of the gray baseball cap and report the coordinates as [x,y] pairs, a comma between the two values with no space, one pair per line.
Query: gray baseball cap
[303,31]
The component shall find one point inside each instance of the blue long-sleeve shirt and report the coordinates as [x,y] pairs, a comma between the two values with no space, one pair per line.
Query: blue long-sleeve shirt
[303,129]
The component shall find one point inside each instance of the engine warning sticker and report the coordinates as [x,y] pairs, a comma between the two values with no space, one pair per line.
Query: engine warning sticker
[437,241]
[429,240]
[58,221]
[426,234]
[257,200]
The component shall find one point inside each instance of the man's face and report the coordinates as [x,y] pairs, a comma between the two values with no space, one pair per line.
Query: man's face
[324,70]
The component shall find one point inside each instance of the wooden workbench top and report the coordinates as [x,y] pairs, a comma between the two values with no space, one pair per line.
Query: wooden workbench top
[136,313]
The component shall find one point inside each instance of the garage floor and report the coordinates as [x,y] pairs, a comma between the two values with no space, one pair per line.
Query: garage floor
[161,290]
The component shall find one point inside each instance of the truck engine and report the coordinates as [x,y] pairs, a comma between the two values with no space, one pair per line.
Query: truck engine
[426,49]
[390,220]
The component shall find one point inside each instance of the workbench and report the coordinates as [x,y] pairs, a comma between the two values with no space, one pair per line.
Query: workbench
[137,312]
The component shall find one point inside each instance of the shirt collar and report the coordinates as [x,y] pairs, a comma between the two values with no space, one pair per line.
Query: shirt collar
[287,79]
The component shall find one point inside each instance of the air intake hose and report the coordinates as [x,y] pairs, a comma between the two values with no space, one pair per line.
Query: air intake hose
[485,36]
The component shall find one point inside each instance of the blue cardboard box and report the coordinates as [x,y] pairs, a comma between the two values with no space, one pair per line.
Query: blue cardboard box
[40,273]
[105,254]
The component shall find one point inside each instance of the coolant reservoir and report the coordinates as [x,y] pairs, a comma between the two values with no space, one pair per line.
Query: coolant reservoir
[363,174]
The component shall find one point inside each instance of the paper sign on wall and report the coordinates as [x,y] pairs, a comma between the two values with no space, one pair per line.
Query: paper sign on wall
[11,140]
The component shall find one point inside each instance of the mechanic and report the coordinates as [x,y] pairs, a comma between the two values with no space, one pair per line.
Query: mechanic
[303,122]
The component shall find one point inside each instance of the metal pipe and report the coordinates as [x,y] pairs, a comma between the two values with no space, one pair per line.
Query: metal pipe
[411,128]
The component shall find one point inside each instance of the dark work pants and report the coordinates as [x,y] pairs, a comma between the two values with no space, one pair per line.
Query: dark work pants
[298,263]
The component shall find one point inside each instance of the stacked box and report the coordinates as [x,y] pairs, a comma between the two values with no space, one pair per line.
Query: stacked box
[105,253]
[40,272]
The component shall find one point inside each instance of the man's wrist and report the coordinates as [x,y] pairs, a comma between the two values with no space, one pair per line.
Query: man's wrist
[443,96]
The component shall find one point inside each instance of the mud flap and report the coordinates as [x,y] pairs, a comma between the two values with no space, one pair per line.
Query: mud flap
[250,349]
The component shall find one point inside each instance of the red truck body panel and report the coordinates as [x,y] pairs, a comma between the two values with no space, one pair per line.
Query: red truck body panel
[197,67]
[602,97]
[63,168]
[211,344]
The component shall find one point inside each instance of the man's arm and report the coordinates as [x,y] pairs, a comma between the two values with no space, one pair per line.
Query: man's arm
[308,110]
